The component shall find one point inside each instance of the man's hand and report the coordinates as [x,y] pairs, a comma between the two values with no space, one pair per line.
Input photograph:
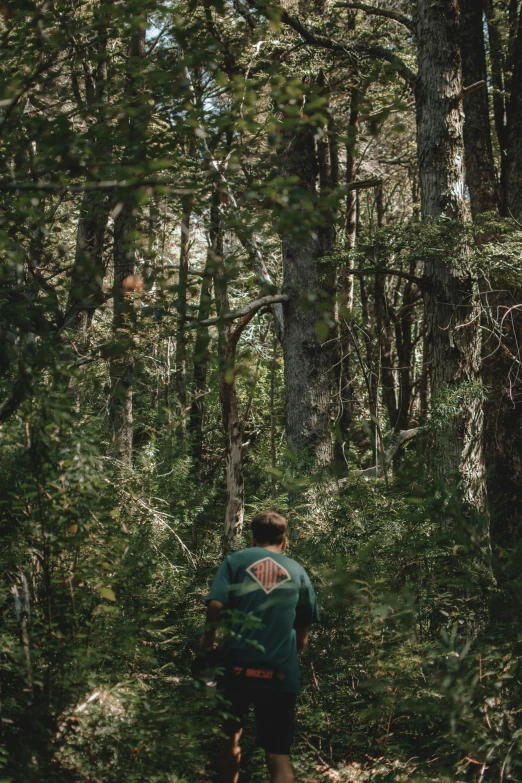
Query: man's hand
[302,638]
[208,640]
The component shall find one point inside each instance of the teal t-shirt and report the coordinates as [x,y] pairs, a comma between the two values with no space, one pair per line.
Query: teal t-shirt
[277,590]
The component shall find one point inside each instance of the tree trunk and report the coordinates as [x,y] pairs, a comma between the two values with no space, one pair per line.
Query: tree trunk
[233,430]
[480,167]
[201,347]
[86,292]
[126,226]
[122,363]
[512,191]
[88,272]
[451,307]
[384,328]
[346,288]
[497,80]
[181,334]
[503,409]
[503,417]
[405,346]
[232,426]
[307,359]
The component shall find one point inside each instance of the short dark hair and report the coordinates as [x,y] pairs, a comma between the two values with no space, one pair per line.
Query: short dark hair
[269,527]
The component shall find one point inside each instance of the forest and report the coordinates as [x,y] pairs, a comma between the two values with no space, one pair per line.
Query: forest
[261,254]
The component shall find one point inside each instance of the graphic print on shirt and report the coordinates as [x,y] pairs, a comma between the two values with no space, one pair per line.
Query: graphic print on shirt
[268,574]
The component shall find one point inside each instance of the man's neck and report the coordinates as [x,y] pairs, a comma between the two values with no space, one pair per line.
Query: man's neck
[277,548]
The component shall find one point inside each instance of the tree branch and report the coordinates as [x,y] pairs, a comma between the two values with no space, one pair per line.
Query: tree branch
[362,184]
[397,440]
[383,271]
[53,187]
[353,51]
[388,13]
[249,310]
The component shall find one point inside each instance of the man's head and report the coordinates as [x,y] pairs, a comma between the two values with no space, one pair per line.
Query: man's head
[269,529]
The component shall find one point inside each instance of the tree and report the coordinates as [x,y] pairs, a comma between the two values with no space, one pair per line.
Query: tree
[450,294]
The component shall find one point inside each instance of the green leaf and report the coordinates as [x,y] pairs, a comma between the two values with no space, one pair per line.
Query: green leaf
[107,593]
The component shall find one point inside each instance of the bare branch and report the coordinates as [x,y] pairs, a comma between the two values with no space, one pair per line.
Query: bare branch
[248,310]
[388,13]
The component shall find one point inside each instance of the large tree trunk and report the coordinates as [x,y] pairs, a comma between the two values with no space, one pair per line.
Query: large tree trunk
[451,307]
[307,359]
[126,226]
[480,167]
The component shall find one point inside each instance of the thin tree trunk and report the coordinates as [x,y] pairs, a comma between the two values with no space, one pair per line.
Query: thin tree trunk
[480,166]
[307,359]
[126,226]
[451,306]
[346,290]
[181,334]
[497,80]
[384,328]
[88,272]
[232,425]
[405,352]
[512,192]
[201,347]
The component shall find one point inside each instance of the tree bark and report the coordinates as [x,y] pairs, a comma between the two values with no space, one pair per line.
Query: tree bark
[451,306]
[307,359]
[480,166]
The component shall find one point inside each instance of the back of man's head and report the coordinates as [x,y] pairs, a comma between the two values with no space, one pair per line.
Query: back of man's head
[269,527]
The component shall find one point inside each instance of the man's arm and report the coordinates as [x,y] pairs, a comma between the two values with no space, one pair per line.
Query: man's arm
[208,640]
[302,638]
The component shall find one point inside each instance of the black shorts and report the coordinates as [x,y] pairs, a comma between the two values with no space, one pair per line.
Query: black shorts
[274,711]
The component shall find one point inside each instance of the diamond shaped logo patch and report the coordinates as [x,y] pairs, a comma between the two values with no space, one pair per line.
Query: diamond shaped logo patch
[268,574]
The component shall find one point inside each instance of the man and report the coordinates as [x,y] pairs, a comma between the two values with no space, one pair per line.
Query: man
[259,659]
